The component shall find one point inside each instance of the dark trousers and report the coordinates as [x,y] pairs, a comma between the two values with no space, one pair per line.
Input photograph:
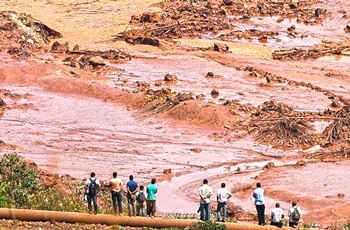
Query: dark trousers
[117,197]
[277,224]
[92,198]
[151,207]
[293,224]
[205,211]
[261,214]
[131,205]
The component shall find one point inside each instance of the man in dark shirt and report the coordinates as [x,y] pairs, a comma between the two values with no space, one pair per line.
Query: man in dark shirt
[131,187]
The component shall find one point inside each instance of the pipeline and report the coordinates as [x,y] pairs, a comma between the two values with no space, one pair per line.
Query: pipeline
[74,217]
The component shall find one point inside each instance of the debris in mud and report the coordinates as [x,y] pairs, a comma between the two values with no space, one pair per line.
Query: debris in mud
[280,126]
[347,29]
[31,27]
[283,132]
[339,129]
[87,58]
[214,93]
[238,106]
[324,49]
[220,47]
[56,47]
[272,78]
[170,78]
[180,19]
[196,150]
[157,101]
[167,171]
[269,165]
[28,33]
[2,103]
[270,106]
[342,153]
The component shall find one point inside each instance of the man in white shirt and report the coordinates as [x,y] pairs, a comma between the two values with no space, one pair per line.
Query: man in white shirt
[276,216]
[223,195]
[259,201]
[205,192]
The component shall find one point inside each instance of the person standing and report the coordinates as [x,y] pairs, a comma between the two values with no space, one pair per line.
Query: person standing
[92,187]
[115,186]
[205,192]
[151,190]
[131,187]
[140,202]
[258,195]
[277,216]
[223,195]
[294,215]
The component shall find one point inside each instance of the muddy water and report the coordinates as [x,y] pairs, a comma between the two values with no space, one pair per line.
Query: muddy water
[232,84]
[331,29]
[75,135]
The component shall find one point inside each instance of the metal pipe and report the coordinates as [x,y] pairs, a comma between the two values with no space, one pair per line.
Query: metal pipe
[75,217]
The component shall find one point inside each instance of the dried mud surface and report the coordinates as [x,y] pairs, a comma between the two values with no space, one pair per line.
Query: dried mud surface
[233,91]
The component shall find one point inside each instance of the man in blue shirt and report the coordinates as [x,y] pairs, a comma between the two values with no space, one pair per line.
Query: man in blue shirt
[258,195]
[151,190]
[131,187]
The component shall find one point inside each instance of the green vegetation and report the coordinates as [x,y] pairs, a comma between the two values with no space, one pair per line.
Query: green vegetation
[21,186]
[209,225]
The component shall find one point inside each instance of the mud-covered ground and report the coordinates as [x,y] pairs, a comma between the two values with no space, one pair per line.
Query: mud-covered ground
[233,91]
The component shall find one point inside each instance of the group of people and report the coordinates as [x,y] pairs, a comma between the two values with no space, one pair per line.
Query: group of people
[223,194]
[137,196]
[277,214]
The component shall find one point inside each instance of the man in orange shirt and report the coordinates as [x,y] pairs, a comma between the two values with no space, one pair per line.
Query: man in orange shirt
[115,185]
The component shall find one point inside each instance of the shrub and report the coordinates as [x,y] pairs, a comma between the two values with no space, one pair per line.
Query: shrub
[209,225]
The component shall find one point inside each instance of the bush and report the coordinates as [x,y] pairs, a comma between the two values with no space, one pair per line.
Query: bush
[18,182]
[21,187]
[209,225]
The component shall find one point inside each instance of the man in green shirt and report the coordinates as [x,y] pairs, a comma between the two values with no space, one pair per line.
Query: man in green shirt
[151,190]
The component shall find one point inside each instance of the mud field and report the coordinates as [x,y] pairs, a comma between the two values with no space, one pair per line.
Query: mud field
[233,91]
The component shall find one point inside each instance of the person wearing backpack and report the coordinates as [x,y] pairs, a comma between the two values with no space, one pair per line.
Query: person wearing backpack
[140,201]
[294,214]
[115,186]
[92,187]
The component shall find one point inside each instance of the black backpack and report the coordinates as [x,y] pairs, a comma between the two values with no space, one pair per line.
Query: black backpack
[141,197]
[93,187]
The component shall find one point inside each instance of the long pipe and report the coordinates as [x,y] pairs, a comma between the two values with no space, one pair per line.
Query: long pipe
[75,217]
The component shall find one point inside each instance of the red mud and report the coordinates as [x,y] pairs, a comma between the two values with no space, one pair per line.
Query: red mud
[74,121]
